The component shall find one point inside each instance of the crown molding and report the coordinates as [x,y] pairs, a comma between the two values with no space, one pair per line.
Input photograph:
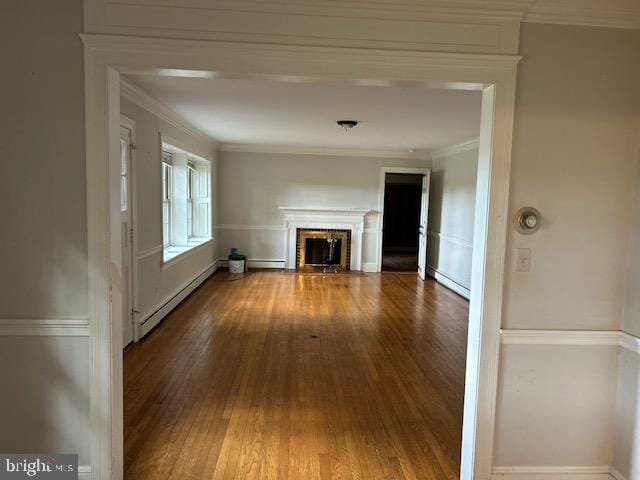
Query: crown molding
[456,148]
[574,12]
[326,151]
[140,97]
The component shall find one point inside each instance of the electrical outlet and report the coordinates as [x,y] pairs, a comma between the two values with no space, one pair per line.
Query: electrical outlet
[523,259]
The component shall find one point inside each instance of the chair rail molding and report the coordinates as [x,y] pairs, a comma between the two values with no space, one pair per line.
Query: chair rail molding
[629,342]
[150,251]
[275,228]
[463,242]
[616,338]
[47,327]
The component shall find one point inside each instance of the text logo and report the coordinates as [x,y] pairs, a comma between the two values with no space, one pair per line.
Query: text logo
[55,466]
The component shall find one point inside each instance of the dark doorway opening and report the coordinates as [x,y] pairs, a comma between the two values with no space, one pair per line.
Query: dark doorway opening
[401,222]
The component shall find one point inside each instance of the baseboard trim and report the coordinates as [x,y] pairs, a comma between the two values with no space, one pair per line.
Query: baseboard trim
[552,473]
[155,318]
[277,264]
[449,283]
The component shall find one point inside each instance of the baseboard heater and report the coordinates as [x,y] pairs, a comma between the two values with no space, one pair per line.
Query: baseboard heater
[449,283]
[156,317]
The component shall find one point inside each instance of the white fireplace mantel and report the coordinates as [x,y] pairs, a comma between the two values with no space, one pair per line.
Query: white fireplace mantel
[335,218]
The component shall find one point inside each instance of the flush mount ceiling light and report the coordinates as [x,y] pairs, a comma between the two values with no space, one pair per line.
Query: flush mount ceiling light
[347,124]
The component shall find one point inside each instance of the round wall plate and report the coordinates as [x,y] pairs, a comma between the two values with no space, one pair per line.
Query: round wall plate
[527,220]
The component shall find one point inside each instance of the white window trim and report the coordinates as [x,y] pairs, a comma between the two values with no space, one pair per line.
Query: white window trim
[172,254]
[168,201]
[183,255]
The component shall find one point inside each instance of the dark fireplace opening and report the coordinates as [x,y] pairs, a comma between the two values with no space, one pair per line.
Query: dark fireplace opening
[317,252]
[313,247]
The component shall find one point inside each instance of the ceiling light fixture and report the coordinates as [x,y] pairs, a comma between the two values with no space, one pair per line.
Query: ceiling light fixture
[347,124]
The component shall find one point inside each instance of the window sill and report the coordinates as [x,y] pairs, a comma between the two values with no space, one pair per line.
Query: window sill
[172,255]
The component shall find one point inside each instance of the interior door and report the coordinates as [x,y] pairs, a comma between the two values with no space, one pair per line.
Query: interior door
[127,235]
[422,228]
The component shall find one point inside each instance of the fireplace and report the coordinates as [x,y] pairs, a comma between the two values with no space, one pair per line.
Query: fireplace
[345,221]
[313,248]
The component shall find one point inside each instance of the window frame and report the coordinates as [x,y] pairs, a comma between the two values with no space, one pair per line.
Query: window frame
[167,196]
[171,252]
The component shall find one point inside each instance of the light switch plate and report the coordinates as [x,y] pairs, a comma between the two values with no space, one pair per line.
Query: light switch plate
[523,259]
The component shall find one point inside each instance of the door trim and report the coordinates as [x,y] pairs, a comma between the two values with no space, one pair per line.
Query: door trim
[130,124]
[107,56]
[381,192]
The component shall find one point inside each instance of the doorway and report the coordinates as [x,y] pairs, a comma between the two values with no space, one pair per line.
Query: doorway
[495,77]
[403,204]
[401,222]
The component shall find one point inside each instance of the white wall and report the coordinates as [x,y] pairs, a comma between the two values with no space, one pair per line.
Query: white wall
[44,378]
[452,200]
[574,156]
[156,285]
[254,185]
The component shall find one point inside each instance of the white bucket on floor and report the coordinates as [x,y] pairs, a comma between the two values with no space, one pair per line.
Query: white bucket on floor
[236,266]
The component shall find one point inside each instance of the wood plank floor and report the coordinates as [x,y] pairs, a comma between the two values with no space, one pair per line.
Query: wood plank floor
[281,376]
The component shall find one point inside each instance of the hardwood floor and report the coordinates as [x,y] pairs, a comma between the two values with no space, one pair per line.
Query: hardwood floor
[281,376]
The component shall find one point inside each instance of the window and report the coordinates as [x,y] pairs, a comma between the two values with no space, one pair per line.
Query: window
[191,179]
[186,201]
[166,200]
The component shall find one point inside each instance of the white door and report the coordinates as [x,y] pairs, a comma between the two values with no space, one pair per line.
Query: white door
[127,235]
[422,229]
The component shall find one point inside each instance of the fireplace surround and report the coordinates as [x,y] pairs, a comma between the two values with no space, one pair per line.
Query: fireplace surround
[346,219]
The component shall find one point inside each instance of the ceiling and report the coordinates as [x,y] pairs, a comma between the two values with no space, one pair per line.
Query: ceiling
[276,113]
